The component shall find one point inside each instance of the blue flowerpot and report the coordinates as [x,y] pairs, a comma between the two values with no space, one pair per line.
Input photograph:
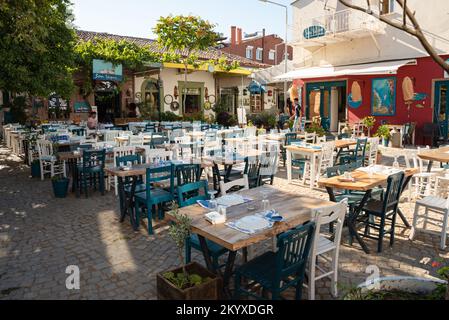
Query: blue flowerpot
[35,170]
[60,187]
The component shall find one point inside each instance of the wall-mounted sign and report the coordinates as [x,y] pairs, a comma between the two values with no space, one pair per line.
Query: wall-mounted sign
[383,101]
[81,107]
[314,32]
[106,71]
[355,97]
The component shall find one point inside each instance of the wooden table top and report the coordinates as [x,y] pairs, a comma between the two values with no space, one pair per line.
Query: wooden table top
[338,145]
[141,169]
[71,155]
[439,155]
[363,182]
[295,209]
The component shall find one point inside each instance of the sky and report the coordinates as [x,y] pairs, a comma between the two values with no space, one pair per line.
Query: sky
[138,17]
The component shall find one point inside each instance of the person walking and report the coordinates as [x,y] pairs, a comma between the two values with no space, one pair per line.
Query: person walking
[297,116]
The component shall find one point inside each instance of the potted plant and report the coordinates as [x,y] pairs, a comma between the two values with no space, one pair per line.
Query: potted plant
[369,122]
[188,282]
[35,169]
[60,186]
[316,128]
[384,132]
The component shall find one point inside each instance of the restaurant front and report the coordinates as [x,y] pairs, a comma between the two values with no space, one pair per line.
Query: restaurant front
[395,92]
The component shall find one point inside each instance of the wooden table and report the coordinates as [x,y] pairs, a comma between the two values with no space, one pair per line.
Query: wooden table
[312,154]
[127,201]
[439,155]
[365,183]
[296,210]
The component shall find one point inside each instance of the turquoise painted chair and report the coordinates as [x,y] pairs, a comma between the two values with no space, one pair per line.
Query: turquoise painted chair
[131,160]
[188,195]
[157,141]
[289,137]
[91,170]
[349,156]
[278,271]
[155,197]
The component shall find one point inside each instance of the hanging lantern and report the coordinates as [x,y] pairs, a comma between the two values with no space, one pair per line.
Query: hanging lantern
[175,92]
[206,93]
[270,93]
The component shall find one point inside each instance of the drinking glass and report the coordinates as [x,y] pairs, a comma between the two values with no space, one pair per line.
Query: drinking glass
[212,201]
[396,163]
[265,201]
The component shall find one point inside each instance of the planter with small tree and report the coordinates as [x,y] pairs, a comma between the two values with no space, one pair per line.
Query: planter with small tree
[188,282]
[369,123]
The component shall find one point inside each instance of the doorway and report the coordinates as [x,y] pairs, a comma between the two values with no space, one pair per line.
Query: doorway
[327,101]
[107,100]
[441,112]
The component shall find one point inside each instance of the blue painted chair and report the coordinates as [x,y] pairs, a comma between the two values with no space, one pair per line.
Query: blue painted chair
[91,170]
[385,211]
[157,141]
[278,271]
[131,160]
[289,137]
[349,156]
[155,197]
[188,195]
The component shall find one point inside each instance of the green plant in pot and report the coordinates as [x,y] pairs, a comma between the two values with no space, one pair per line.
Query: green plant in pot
[191,281]
[60,186]
[316,128]
[369,122]
[384,132]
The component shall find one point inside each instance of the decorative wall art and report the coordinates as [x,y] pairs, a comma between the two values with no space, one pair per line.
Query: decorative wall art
[383,97]
[355,97]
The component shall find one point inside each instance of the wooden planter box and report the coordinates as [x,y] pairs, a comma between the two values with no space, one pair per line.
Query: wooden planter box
[207,291]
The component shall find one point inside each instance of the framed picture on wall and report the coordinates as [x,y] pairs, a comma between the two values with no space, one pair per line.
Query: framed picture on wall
[383,97]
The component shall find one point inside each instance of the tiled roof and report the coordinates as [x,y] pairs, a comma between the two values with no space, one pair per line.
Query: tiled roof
[206,55]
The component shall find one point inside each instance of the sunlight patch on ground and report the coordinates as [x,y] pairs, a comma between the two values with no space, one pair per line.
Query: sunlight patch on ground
[117,252]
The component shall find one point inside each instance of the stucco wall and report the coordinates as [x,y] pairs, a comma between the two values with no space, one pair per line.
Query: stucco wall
[394,44]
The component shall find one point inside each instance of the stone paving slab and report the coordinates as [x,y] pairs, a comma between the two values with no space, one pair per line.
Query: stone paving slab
[41,236]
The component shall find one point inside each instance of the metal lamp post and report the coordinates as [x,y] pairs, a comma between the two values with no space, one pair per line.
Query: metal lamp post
[286,45]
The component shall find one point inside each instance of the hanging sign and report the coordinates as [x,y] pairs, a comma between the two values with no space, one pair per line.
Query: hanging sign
[106,71]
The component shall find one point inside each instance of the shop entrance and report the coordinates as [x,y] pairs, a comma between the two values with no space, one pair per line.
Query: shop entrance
[107,100]
[327,101]
[441,111]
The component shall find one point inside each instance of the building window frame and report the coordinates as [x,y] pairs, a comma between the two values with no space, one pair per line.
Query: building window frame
[386,7]
[249,52]
[272,55]
[259,54]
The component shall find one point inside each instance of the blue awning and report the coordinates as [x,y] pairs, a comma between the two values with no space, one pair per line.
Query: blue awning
[256,88]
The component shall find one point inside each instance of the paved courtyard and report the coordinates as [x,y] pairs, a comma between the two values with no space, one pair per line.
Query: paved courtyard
[41,236]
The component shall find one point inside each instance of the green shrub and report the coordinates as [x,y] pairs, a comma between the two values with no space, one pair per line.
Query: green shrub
[316,128]
[170,116]
[264,119]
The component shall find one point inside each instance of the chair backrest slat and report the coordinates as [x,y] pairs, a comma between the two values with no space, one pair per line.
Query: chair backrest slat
[190,193]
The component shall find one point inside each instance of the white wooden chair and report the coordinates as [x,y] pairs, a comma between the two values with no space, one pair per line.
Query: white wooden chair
[371,154]
[325,160]
[110,135]
[48,162]
[320,140]
[326,248]
[225,187]
[118,152]
[310,137]
[437,203]
[422,182]
[136,141]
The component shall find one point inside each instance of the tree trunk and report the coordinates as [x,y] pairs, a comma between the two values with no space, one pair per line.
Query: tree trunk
[184,90]
[447,292]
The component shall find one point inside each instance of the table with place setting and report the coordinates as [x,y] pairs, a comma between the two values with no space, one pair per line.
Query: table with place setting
[248,221]
[364,180]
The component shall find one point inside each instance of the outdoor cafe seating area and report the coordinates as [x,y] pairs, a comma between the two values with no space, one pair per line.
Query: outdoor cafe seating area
[223,180]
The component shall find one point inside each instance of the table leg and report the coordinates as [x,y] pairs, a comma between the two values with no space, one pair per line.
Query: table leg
[430,166]
[400,213]
[289,166]
[126,202]
[313,171]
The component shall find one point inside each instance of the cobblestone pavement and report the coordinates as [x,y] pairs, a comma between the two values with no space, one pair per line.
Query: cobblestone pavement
[40,236]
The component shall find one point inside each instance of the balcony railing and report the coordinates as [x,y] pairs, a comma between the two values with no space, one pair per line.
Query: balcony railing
[344,24]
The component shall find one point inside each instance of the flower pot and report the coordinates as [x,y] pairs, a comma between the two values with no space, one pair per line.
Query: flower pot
[206,291]
[35,170]
[385,142]
[60,187]
[414,285]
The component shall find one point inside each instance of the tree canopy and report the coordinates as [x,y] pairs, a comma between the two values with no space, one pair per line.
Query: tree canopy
[36,47]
